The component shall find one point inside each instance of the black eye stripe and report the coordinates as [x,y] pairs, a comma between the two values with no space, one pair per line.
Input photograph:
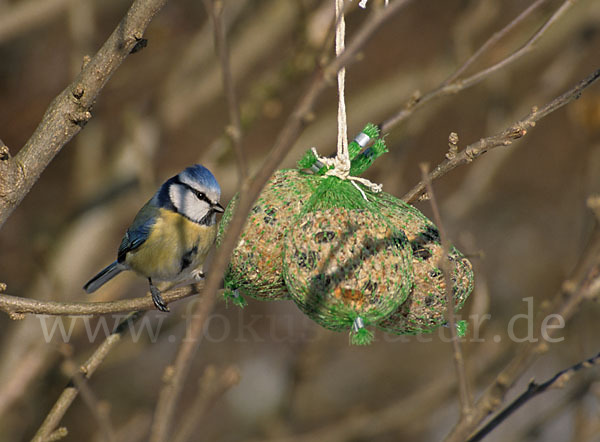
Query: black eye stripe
[200,195]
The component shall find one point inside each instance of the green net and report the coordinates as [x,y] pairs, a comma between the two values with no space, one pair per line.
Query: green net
[348,257]
[341,264]
[256,267]
[345,264]
[425,308]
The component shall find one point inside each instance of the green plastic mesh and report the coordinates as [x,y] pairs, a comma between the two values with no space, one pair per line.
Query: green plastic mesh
[425,308]
[344,261]
[256,267]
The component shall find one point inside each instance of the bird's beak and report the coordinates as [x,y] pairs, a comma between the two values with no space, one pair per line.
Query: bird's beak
[218,208]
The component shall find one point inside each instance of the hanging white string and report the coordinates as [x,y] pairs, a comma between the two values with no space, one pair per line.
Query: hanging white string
[341,162]
[340,33]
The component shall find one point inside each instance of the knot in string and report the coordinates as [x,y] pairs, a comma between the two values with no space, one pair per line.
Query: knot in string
[341,169]
[341,162]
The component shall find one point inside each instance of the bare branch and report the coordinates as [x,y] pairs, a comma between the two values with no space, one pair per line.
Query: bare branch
[211,387]
[176,374]
[493,40]
[505,138]
[16,307]
[585,284]
[401,412]
[99,412]
[86,370]
[533,389]
[574,398]
[58,434]
[447,88]
[528,46]
[70,110]
[466,400]
[215,11]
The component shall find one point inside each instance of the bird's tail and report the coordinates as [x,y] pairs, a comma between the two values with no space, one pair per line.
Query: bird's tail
[104,276]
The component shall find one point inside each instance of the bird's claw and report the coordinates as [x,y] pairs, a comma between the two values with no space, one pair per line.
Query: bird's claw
[158,300]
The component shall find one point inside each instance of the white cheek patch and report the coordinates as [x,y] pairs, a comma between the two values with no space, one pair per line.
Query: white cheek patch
[187,204]
[177,195]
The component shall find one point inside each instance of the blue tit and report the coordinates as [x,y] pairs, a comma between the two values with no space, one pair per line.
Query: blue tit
[171,235]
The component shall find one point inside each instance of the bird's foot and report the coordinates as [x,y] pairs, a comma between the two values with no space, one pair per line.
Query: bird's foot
[157,298]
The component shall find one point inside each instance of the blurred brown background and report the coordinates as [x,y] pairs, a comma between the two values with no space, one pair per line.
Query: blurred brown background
[519,212]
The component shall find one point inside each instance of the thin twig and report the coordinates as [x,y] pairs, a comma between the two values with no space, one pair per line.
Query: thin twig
[533,389]
[493,40]
[464,389]
[58,434]
[585,284]
[250,190]
[87,370]
[211,387]
[575,397]
[528,46]
[98,411]
[215,12]
[403,411]
[458,85]
[16,306]
[176,374]
[505,138]
[70,110]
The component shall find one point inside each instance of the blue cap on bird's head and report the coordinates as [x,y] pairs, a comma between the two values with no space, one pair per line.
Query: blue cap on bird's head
[200,178]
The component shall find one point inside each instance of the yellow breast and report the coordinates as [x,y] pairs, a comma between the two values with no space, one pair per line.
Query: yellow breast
[175,247]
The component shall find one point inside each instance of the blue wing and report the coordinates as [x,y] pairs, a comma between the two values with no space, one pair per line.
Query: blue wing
[139,230]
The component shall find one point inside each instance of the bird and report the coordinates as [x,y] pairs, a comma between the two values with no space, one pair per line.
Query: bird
[171,235]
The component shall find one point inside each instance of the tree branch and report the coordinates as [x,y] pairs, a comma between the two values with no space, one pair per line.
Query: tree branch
[505,138]
[402,412]
[58,434]
[211,387]
[453,86]
[493,40]
[86,370]
[533,389]
[464,389]
[585,284]
[70,110]
[99,412]
[16,306]
[214,9]
[528,46]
